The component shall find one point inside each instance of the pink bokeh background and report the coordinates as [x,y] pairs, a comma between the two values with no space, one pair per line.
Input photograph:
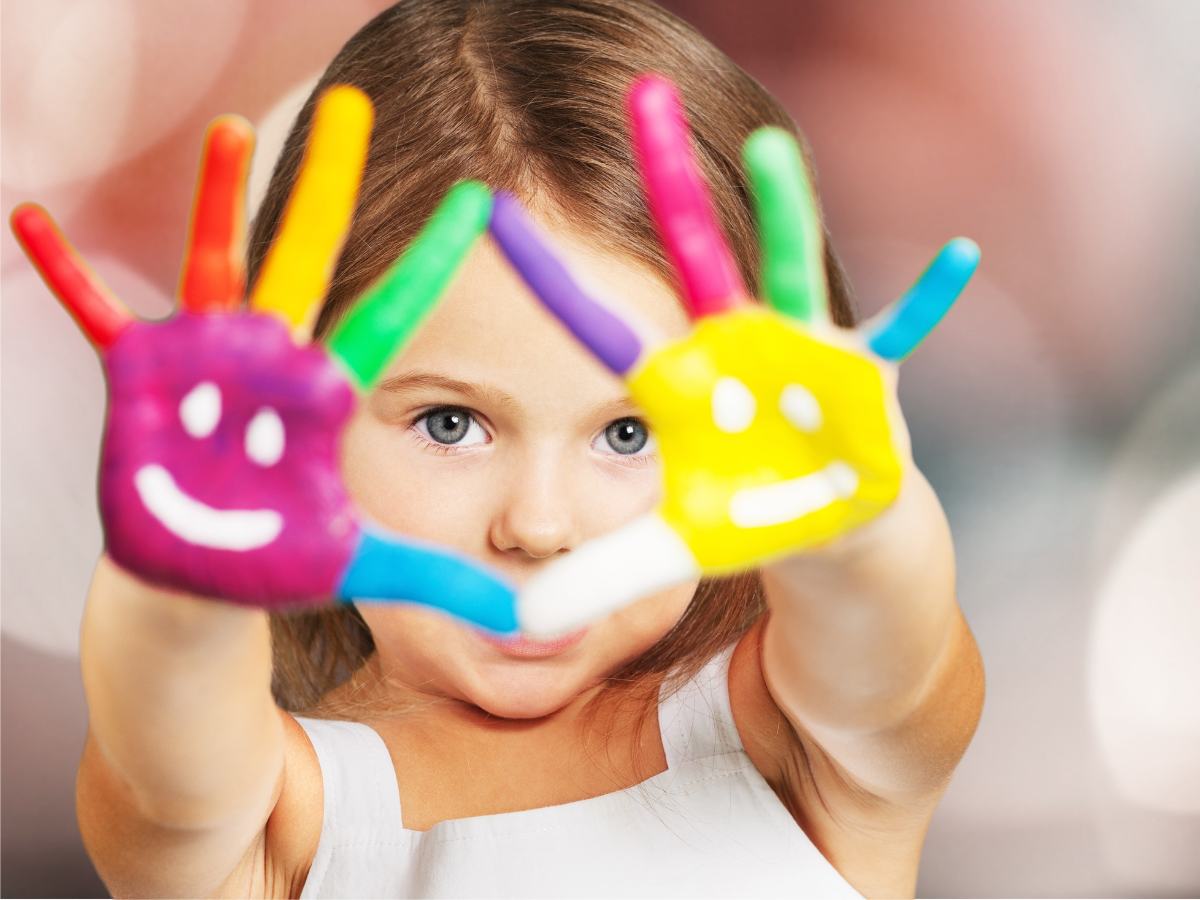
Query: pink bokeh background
[1057,410]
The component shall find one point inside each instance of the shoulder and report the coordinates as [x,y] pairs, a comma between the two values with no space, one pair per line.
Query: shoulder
[766,735]
[294,829]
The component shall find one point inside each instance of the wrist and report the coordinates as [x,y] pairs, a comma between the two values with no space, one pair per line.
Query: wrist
[179,619]
[887,536]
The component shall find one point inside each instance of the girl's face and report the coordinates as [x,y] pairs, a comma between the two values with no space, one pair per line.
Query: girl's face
[496,434]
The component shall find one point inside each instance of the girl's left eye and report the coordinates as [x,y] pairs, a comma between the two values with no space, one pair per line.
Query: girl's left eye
[451,426]
[626,437]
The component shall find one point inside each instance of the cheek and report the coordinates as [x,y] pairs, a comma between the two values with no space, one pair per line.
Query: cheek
[617,495]
[647,620]
[408,489]
[407,631]
[368,466]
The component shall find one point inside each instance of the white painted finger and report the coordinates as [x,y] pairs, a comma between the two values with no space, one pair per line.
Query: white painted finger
[605,574]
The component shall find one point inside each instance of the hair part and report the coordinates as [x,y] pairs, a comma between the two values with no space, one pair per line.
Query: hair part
[527,96]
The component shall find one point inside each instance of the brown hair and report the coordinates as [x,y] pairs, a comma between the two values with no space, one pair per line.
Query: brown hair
[527,96]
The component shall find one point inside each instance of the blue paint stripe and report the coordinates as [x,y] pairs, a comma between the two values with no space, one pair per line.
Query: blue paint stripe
[391,569]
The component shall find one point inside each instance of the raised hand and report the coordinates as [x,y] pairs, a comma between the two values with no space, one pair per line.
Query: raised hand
[778,431]
[219,471]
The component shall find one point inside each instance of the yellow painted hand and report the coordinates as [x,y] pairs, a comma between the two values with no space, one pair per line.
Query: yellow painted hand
[773,439]
[778,431]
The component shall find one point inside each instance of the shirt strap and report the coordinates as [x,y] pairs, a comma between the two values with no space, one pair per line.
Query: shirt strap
[361,794]
[696,722]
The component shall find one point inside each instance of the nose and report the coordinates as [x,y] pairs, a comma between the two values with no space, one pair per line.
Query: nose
[535,517]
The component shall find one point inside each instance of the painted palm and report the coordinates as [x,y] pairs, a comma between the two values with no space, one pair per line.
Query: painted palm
[219,473]
[778,431]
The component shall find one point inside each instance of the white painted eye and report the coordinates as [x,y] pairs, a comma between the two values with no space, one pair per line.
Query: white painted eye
[800,407]
[200,409]
[264,437]
[732,405]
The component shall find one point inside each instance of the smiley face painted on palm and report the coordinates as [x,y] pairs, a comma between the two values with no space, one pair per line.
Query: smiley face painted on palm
[219,467]
[219,472]
[765,452]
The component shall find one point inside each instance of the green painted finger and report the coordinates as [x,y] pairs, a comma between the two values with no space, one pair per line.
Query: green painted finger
[789,229]
[388,314]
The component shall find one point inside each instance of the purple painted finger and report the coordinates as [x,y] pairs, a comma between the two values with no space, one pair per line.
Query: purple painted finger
[604,333]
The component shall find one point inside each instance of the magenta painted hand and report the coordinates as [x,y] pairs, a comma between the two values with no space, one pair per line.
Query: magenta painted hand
[219,467]
[219,472]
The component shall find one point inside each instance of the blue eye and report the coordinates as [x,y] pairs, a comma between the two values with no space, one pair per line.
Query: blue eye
[451,425]
[627,437]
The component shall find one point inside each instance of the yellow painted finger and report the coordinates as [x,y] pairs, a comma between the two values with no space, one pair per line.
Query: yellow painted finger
[299,266]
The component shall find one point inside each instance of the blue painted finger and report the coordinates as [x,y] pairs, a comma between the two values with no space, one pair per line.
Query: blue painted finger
[897,331]
[388,568]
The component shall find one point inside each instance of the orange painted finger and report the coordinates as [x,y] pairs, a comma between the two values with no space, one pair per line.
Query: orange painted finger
[214,274]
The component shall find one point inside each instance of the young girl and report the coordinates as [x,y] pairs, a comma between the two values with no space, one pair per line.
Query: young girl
[677,747]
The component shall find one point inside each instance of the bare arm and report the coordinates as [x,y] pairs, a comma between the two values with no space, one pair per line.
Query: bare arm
[185,753]
[867,652]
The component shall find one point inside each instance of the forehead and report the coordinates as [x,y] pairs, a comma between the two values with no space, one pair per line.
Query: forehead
[488,326]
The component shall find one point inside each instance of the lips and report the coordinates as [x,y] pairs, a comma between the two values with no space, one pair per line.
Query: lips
[526,647]
[198,523]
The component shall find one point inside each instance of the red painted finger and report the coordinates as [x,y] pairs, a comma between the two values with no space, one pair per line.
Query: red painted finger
[101,316]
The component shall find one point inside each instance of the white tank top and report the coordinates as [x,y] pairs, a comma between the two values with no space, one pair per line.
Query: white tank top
[708,826]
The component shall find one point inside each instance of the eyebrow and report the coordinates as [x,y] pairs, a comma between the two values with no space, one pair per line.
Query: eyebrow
[411,382]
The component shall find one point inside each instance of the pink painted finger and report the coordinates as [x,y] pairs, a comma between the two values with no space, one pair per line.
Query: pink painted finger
[678,199]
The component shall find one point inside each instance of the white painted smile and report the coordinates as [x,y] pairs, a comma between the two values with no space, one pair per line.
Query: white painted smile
[785,501]
[198,523]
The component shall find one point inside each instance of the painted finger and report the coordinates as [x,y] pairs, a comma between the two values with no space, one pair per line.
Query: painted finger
[896,332]
[679,200]
[605,574]
[98,313]
[386,317]
[789,227]
[297,270]
[390,568]
[214,275]
[608,336]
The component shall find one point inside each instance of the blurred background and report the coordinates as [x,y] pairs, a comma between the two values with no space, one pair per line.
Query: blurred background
[1057,410]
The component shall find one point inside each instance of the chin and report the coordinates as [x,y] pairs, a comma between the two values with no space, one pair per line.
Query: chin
[525,689]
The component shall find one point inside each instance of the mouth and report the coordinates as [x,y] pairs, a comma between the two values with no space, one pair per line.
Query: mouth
[195,522]
[528,648]
[786,501]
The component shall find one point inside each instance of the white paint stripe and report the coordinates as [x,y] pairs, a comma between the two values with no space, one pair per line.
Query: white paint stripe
[603,575]
[785,501]
[197,523]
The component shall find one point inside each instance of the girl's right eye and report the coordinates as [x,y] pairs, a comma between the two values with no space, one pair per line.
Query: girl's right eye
[450,425]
